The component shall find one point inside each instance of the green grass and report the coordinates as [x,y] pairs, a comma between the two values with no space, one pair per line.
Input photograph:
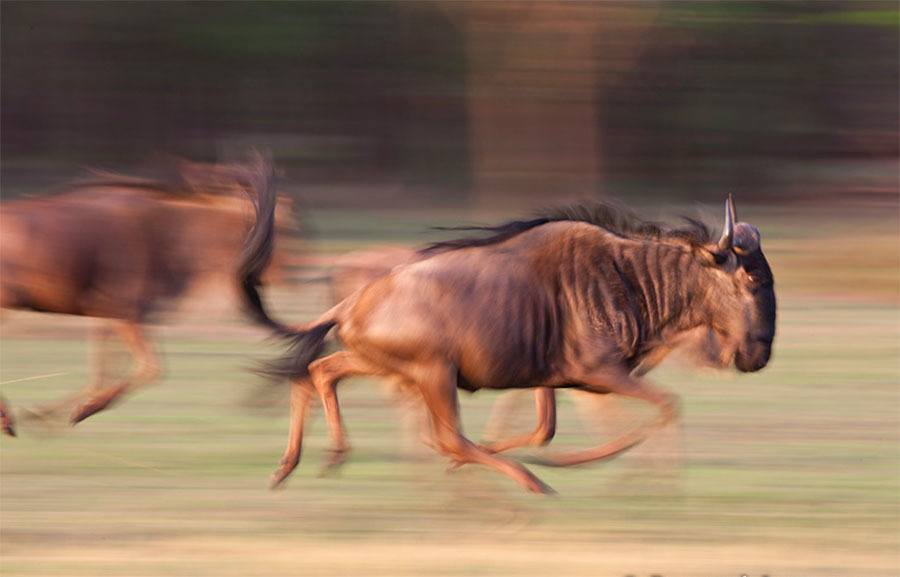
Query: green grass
[791,471]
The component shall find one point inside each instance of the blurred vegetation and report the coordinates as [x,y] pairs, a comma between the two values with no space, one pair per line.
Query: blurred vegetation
[690,98]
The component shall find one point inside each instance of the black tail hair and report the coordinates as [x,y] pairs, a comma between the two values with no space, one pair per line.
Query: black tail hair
[259,245]
[304,346]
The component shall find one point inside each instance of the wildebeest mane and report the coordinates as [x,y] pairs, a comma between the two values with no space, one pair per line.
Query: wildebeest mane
[177,179]
[609,216]
[103,179]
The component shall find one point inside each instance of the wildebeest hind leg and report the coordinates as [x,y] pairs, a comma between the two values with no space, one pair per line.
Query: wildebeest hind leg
[301,393]
[620,382]
[438,388]
[545,407]
[325,374]
[147,370]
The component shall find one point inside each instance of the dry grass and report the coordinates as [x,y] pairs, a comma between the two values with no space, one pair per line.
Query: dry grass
[793,471]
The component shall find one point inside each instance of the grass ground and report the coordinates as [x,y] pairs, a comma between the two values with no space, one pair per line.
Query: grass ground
[789,472]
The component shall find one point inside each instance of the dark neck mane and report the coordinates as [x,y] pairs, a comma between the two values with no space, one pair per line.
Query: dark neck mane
[610,217]
[178,179]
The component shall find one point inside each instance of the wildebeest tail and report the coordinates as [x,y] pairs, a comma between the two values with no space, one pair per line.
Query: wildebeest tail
[260,243]
[306,344]
[304,347]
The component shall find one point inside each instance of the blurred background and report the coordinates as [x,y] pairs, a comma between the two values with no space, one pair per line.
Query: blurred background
[388,118]
[465,102]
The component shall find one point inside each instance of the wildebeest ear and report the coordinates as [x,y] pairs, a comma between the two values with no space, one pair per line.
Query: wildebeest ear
[746,238]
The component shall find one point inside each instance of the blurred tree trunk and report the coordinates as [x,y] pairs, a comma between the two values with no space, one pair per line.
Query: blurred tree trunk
[533,94]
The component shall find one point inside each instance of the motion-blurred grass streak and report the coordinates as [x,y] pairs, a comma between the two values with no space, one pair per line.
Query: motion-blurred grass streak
[793,471]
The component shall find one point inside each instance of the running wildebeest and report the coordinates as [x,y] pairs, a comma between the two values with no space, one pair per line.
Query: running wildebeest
[119,248]
[578,298]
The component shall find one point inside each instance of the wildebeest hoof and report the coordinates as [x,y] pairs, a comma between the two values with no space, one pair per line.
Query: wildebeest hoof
[335,462]
[285,467]
[541,488]
[85,410]
[278,478]
[6,422]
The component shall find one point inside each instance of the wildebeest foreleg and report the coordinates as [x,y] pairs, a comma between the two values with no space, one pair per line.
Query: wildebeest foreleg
[622,383]
[146,371]
[545,406]
[438,388]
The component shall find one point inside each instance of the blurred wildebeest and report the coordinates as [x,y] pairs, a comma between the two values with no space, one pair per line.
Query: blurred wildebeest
[578,298]
[119,248]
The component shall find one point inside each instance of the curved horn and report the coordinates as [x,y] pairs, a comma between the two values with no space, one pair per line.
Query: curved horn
[728,230]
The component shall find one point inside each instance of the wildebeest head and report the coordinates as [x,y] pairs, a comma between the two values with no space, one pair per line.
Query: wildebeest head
[739,252]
